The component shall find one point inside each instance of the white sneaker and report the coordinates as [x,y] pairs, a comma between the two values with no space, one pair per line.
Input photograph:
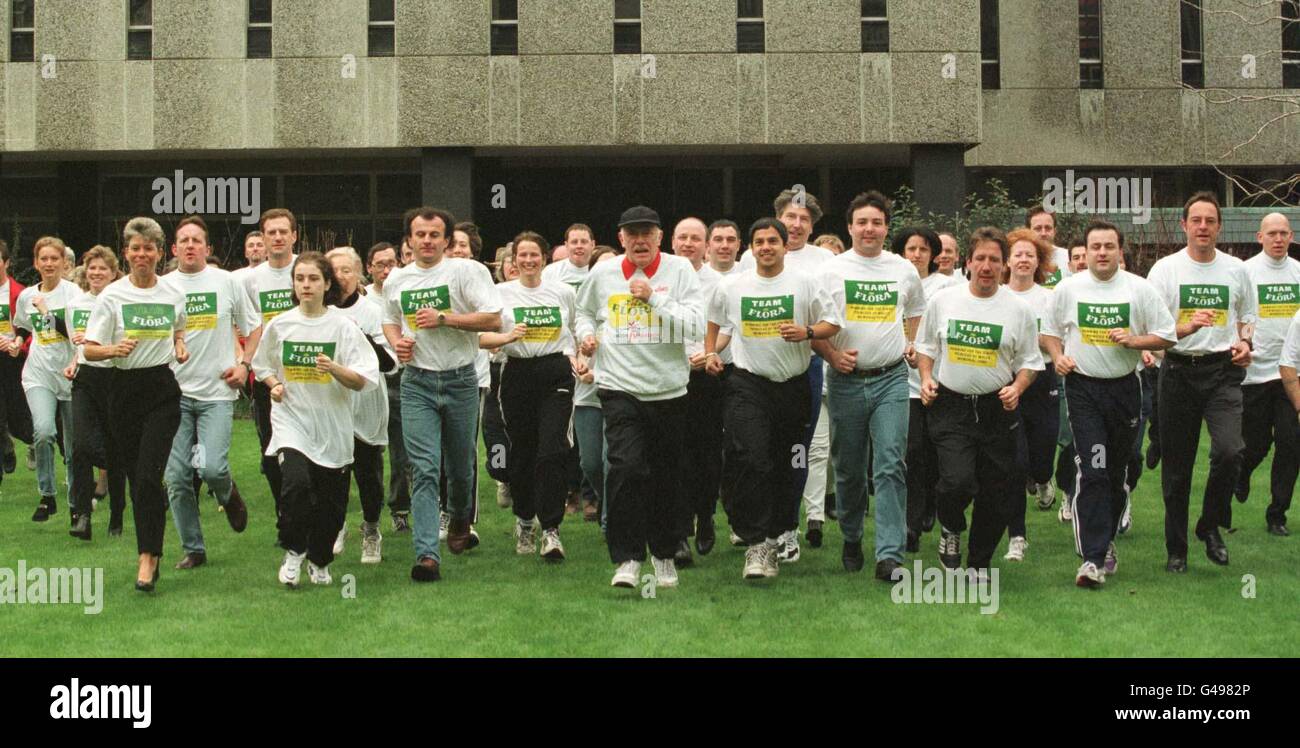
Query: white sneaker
[735,539]
[665,572]
[504,500]
[552,548]
[371,545]
[772,556]
[1126,519]
[1089,575]
[525,545]
[444,523]
[628,574]
[291,569]
[338,542]
[319,574]
[1046,493]
[1066,512]
[755,561]
[1016,549]
[949,548]
[1111,564]
[788,552]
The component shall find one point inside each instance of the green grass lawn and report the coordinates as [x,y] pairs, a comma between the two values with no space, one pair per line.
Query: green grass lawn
[493,603]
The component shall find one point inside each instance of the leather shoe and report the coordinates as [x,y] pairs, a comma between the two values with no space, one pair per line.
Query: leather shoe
[1278,529]
[1176,565]
[683,555]
[705,536]
[426,571]
[236,510]
[814,534]
[191,560]
[458,536]
[1215,550]
[149,586]
[851,557]
[80,526]
[888,570]
[47,507]
[115,524]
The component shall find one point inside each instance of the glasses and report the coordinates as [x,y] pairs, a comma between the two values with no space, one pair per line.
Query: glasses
[391,264]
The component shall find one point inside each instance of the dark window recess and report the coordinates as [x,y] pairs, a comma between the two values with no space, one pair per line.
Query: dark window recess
[139,32]
[875,26]
[259,11]
[627,9]
[139,45]
[1192,55]
[990,46]
[505,39]
[381,10]
[627,38]
[1090,70]
[1291,43]
[380,41]
[749,36]
[22,31]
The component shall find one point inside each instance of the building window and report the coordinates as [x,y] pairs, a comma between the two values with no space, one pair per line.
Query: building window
[139,30]
[1193,45]
[875,26]
[1090,44]
[1291,43]
[22,31]
[381,29]
[749,26]
[990,46]
[505,27]
[259,29]
[627,27]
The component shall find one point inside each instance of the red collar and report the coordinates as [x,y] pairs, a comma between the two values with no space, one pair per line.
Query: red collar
[649,270]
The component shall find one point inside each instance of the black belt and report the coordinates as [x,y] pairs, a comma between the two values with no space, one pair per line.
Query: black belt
[869,373]
[1200,359]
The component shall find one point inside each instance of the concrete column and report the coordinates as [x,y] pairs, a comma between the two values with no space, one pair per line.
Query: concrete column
[446,181]
[78,204]
[939,177]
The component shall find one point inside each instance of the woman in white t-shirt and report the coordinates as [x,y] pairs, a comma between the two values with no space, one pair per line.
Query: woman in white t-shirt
[312,359]
[37,314]
[1028,266]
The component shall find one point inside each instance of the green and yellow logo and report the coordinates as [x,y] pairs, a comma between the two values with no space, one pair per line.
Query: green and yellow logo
[148,321]
[973,343]
[46,335]
[543,322]
[1278,300]
[762,316]
[299,361]
[6,324]
[633,320]
[80,318]
[1053,279]
[1097,320]
[274,303]
[870,301]
[1193,298]
[416,299]
[201,310]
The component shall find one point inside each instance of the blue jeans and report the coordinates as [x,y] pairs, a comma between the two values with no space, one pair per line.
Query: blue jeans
[202,444]
[45,408]
[439,412]
[589,427]
[874,410]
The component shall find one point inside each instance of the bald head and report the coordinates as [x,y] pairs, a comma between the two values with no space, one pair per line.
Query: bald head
[1275,235]
[688,240]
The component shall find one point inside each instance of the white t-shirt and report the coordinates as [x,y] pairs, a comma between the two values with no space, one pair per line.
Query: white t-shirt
[214,302]
[930,285]
[50,351]
[1277,291]
[547,310]
[873,296]
[241,275]
[150,316]
[370,406]
[735,268]
[270,291]
[77,317]
[978,345]
[1039,300]
[1061,258]
[315,415]
[565,272]
[1222,285]
[1291,345]
[1084,310]
[755,307]
[6,314]
[809,259]
[585,394]
[709,280]
[454,285]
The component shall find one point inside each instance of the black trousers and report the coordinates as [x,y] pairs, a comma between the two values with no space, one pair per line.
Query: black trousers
[144,412]
[643,447]
[315,504]
[14,414]
[1268,418]
[368,470]
[1136,463]
[1190,393]
[1104,415]
[91,392]
[495,440]
[701,451]
[270,465]
[537,408]
[1040,423]
[922,469]
[764,422]
[976,443]
[399,468]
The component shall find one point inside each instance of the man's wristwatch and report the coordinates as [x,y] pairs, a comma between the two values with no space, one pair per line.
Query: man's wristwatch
[810,331]
[442,318]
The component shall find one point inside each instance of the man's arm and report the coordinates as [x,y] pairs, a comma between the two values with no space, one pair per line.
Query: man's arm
[1291,384]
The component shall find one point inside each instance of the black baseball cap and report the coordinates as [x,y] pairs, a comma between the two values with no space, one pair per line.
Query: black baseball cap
[638,214]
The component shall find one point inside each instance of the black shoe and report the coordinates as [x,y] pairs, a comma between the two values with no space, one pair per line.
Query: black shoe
[705,536]
[1278,529]
[401,522]
[192,560]
[814,535]
[115,524]
[927,524]
[11,462]
[426,571]
[1215,550]
[683,555]
[913,542]
[1153,457]
[1176,565]
[888,570]
[47,507]
[851,557]
[236,510]
[149,586]
[1242,493]
[80,526]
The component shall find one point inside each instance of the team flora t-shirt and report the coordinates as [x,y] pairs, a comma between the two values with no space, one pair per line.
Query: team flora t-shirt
[1277,290]
[755,308]
[270,290]
[873,296]
[214,302]
[978,345]
[548,312]
[453,285]
[50,351]
[930,285]
[78,313]
[1222,286]
[6,317]
[1084,310]
[150,316]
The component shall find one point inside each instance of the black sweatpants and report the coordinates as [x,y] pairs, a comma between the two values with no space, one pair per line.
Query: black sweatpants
[764,421]
[1039,411]
[399,467]
[975,439]
[1137,463]
[701,452]
[91,392]
[144,413]
[368,470]
[495,440]
[643,441]
[315,504]
[922,469]
[1267,418]
[270,465]
[1189,392]
[1104,415]
[14,413]
[537,408]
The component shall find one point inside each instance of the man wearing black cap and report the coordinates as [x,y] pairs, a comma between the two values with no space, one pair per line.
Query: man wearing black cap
[640,311]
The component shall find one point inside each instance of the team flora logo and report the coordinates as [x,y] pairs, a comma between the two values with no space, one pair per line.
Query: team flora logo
[148,321]
[762,317]
[75,701]
[438,297]
[210,196]
[935,584]
[973,343]
[870,301]
[543,323]
[1194,298]
[1105,195]
[1097,320]
[299,361]
[59,586]
[1278,300]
